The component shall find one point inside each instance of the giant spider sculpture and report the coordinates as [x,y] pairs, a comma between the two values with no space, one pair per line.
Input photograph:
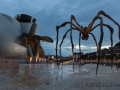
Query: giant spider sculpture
[85,34]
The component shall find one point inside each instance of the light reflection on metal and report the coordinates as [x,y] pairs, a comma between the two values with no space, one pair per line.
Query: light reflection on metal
[52,57]
[30,59]
[36,60]
[45,59]
[39,60]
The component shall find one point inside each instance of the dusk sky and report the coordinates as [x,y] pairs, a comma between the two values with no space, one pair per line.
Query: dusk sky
[52,13]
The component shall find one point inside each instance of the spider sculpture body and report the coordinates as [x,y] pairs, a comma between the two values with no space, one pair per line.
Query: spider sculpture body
[85,33]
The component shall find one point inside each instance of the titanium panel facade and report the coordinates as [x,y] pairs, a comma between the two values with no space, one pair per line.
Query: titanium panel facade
[10,34]
[18,39]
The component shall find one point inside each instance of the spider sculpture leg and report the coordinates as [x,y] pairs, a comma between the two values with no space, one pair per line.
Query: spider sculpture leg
[57,30]
[81,31]
[100,42]
[111,38]
[62,42]
[78,27]
[79,48]
[88,31]
[71,24]
[64,38]
[101,37]
[106,15]
[91,24]
[72,43]
[94,40]
[57,43]
[111,33]
[79,41]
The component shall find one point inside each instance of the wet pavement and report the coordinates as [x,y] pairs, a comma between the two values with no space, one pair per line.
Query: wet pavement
[49,77]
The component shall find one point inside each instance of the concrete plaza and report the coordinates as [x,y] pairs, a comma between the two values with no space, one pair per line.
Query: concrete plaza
[49,77]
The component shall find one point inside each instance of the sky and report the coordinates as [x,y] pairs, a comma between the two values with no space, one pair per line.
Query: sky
[52,13]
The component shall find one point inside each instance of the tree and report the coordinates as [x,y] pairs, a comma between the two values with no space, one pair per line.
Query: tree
[117,44]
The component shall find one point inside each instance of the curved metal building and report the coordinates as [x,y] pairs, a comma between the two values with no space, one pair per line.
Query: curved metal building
[18,39]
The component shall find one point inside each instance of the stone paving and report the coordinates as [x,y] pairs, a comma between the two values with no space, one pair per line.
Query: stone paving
[49,77]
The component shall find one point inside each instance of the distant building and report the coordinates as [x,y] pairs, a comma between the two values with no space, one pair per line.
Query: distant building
[116,51]
[104,53]
[78,55]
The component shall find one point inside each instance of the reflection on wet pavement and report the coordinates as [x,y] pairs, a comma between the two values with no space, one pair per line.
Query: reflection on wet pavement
[27,79]
[49,77]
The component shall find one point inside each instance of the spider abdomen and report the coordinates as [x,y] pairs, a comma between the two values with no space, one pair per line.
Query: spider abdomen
[85,37]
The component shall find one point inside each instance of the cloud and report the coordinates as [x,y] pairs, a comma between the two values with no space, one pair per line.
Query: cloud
[84,48]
